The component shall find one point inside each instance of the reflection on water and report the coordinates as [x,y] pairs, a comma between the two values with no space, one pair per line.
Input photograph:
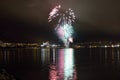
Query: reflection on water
[58,56]
[45,55]
[63,64]
[19,56]
[65,68]
[105,55]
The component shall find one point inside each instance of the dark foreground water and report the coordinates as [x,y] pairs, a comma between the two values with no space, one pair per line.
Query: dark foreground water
[61,64]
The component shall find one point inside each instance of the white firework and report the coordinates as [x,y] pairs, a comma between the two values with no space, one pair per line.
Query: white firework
[67,15]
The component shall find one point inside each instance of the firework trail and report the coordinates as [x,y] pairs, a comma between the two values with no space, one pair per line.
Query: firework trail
[64,28]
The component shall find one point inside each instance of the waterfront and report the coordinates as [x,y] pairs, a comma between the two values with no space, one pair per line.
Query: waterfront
[61,64]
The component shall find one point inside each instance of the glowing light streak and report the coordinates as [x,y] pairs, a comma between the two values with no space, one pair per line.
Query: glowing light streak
[65,68]
[69,64]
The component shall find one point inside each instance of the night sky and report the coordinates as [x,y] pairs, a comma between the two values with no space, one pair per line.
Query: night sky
[26,20]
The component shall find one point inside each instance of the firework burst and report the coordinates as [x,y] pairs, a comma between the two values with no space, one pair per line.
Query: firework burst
[64,28]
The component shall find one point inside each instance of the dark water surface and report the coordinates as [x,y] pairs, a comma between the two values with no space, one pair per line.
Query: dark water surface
[61,64]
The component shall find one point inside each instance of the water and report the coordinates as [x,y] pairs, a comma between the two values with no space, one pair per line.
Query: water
[61,64]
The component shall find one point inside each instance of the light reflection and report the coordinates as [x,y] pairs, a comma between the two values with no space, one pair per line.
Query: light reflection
[60,65]
[113,56]
[106,58]
[69,64]
[36,56]
[64,69]
[118,55]
[54,56]
[6,56]
[45,55]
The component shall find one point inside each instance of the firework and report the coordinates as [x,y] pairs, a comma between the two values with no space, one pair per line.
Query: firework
[64,28]
[67,15]
[54,13]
